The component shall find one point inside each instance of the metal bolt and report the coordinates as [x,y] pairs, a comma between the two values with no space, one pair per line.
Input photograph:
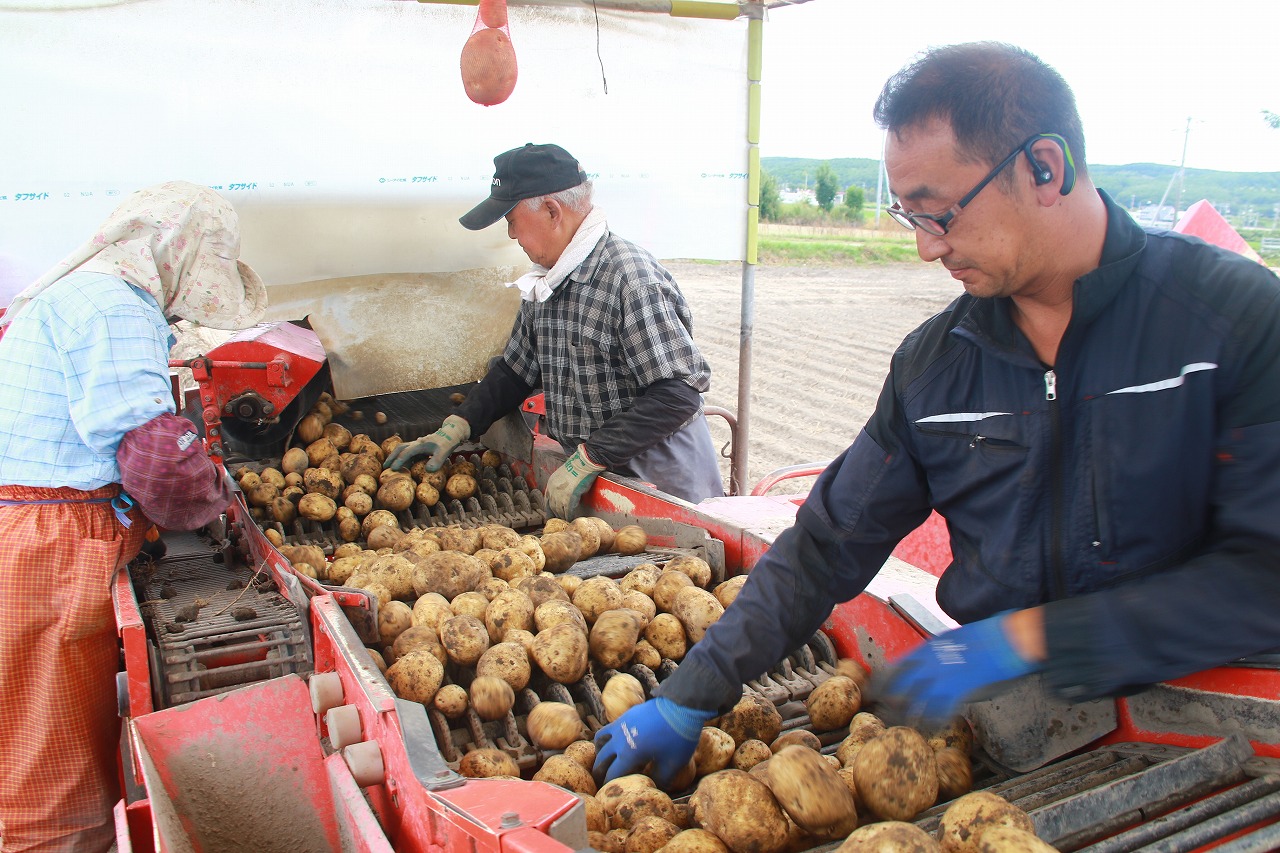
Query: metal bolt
[510,819]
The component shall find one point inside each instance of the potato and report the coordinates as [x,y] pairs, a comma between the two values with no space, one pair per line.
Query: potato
[613,792]
[310,428]
[698,570]
[1009,839]
[555,725]
[741,812]
[641,579]
[643,802]
[418,638]
[358,501]
[567,773]
[431,609]
[312,555]
[464,638]
[726,593]
[620,693]
[498,537]
[426,494]
[714,752]
[520,637]
[750,753]
[697,611]
[378,518]
[509,609]
[958,733]
[590,535]
[606,842]
[396,493]
[893,836]
[631,540]
[542,589]
[378,660]
[955,772]
[393,571]
[389,443]
[274,537]
[294,461]
[338,435]
[649,834]
[349,529]
[640,603]
[283,511]
[695,841]
[491,588]
[557,612]
[561,652]
[511,564]
[968,818]
[317,507]
[460,486]
[449,573]
[597,595]
[646,655]
[451,700]
[353,465]
[320,450]
[851,668]
[491,697]
[532,549]
[753,717]
[665,633]
[416,676]
[612,640]
[457,539]
[487,763]
[393,619]
[508,661]
[384,536]
[833,703]
[796,737]
[811,792]
[560,550]
[896,774]
[554,525]
[666,588]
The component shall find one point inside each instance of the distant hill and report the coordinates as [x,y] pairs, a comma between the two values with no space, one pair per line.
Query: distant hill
[1133,185]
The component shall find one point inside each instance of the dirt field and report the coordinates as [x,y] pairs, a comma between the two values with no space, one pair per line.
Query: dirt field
[821,347]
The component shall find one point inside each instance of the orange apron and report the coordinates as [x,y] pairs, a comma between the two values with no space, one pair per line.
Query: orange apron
[59,654]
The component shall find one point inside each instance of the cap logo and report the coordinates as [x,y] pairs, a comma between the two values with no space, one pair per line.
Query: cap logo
[184,440]
[497,182]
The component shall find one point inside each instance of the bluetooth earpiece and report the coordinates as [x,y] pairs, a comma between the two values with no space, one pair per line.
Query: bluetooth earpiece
[1042,173]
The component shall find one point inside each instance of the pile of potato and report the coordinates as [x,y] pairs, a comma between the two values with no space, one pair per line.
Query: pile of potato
[335,476]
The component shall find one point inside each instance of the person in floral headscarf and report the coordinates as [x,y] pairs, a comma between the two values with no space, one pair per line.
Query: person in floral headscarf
[91,455]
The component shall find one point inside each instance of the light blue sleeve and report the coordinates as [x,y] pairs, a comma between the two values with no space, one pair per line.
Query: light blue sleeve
[116,364]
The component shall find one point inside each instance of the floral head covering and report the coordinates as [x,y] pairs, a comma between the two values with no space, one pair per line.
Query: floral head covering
[178,241]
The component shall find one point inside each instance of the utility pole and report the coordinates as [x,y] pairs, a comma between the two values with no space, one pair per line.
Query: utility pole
[1177,176]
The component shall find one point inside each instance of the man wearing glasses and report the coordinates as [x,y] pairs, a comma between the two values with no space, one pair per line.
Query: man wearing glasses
[1097,418]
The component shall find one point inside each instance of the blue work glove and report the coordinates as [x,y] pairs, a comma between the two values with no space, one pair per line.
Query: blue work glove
[568,484]
[658,731]
[931,683]
[439,444]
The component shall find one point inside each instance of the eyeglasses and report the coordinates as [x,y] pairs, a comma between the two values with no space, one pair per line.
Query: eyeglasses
[939,224]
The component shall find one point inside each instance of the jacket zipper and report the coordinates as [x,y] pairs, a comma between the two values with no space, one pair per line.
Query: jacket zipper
[1055,484]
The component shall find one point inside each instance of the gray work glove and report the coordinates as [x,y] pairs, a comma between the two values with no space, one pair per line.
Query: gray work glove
[439,444]
[568,484]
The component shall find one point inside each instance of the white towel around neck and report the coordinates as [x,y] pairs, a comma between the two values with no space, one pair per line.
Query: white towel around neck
[539,283]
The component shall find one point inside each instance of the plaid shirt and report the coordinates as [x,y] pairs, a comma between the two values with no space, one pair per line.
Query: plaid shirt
[615,326]
[85,362]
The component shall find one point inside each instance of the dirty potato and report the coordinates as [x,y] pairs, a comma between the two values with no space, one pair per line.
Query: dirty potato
[698,570]
[491,697]
[511,564]
[630,540]
[393,620]
[508,661]
[541,589]
[955,772]
[714,751]
[567,773]
[968,818]
[451,700]
[641,579]
[560,550]
[649,834]
[317,507]
[896,774]
[741,812]
[486,763]
[396,493]
[646,655]
[558,612]
[464,638]
[620,693]
[1008,839]
[751,753]
[892,836]
[449,573]
[470,604]
[416,676]
[509,609]
[561,652]
[697,611]
[613,637]
[726,593]
[812,793]
[555,725]
[666,588]
[597,595]
[753,717]
[796,737]
[418,638]
[695,841]
[665,633]
[833,703]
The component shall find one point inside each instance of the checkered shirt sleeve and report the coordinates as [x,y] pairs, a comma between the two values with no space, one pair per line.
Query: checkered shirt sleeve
[83,364]
[615,326]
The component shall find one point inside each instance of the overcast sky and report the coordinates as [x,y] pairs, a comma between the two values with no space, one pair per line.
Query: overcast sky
[1139,71]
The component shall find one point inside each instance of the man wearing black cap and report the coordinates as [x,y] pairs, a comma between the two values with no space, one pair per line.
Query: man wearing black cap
[603,330]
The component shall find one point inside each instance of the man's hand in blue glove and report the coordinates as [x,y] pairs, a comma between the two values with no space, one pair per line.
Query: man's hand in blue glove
[568,484]
[931,683]
[439,444]
[659,731]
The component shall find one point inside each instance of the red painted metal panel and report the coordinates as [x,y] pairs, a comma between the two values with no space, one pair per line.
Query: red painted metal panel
[133,637]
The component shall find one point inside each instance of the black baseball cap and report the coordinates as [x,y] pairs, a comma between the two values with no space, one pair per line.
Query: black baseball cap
[526,172]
